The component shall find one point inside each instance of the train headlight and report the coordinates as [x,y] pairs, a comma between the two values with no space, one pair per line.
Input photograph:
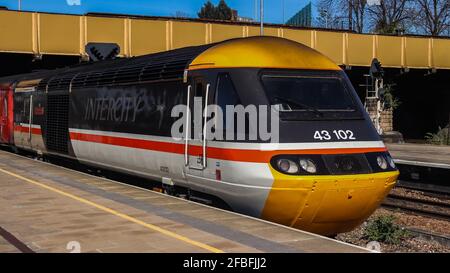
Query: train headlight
[382,163]
[308,165]
[287,166]
[391,162]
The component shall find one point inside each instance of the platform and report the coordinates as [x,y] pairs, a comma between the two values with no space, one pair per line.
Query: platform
[421,155]
[47,208]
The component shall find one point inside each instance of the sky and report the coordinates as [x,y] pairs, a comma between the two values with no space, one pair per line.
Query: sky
[246,8]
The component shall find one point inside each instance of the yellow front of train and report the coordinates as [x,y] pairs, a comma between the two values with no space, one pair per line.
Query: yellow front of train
[330,202]
[326,205]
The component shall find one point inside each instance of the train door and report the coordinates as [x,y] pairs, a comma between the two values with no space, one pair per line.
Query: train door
[196,144]
[3,116]
[28,122]
[23,134]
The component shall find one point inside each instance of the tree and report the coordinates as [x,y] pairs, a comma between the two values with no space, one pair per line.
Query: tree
[327,14]
[359,8]
[390,16]
[181,14]
[335,12]
[224,12]
[210,11]
[432,16]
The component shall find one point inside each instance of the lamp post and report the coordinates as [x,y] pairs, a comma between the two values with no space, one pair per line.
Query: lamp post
[20,5]
[256,11]
[262,17]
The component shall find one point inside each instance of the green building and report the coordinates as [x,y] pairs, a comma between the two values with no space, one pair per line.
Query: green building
[303,18]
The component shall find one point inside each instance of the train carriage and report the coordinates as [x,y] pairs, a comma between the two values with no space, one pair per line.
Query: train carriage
[327,171]
[6,114]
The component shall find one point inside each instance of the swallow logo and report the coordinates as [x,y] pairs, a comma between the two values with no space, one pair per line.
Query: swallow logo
[73,2]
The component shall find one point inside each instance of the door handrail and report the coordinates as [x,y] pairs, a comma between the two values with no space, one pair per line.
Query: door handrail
[205,118]
[188,123]
[30,119]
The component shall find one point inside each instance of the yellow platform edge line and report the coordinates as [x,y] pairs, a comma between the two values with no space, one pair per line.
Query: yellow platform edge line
[116,213]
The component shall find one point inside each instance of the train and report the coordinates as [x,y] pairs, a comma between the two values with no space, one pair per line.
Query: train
[326,172]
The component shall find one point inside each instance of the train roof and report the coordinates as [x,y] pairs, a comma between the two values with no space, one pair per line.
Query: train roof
[13,79]
[169,65]
[262,52]
[253,52]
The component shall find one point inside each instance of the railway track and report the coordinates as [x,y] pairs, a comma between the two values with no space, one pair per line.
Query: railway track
[428,208]
[429,182]
[443,239]
[426,188]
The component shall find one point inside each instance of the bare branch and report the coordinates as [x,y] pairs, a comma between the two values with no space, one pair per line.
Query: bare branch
[391,15]
[432,17]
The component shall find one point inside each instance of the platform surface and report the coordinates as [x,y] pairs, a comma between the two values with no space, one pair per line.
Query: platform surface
[46,208]
[421,154]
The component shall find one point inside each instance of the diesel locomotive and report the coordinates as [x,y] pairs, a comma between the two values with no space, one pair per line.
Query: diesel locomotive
[327,172]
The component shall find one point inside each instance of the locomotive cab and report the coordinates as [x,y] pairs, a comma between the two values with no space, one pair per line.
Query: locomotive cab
[327,169]
[343,171]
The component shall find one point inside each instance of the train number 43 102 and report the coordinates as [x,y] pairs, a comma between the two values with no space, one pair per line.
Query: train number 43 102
[336,134]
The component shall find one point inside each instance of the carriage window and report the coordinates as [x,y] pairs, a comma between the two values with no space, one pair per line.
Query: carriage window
[226,93]
[5,107]
[199,90]
[298,93]
[26,111]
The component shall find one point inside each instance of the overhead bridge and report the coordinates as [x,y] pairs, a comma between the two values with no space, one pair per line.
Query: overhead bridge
[56,34]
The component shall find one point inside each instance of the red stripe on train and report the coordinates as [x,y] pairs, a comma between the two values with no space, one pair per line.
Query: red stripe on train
[212,152]
[25,129]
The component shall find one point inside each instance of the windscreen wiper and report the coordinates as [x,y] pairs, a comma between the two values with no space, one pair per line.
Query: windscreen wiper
[302,105]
